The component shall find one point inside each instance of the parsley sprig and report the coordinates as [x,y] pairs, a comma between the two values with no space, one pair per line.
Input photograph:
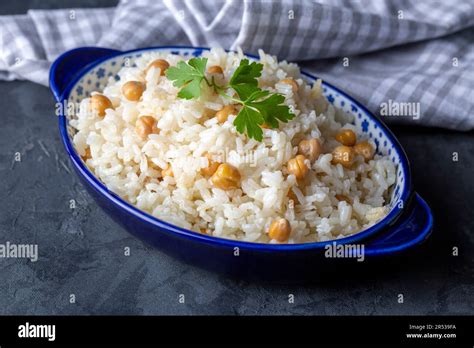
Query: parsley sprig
[259,106]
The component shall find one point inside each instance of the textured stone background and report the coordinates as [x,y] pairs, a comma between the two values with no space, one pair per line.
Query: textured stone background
[81,250]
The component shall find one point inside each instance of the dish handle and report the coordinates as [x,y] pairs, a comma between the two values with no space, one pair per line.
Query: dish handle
[66,67]
[412,228]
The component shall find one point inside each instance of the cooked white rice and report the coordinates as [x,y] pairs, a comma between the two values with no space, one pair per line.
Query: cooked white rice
[130,166]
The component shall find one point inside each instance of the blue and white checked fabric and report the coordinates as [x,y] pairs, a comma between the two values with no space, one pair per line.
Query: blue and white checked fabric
[404,51]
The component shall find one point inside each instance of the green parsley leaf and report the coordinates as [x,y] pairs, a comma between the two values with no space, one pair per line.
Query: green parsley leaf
[244,80]
[273,110]
[188,75]
[248,121]
[257,94]
[191,90]
[259,108]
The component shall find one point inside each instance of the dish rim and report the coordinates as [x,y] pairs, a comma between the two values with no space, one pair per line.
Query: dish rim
[147,218]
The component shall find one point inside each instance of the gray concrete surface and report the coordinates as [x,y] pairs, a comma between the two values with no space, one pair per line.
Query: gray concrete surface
[82,250]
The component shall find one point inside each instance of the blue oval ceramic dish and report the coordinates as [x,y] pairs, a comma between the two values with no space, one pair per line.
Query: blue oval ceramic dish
[76,73]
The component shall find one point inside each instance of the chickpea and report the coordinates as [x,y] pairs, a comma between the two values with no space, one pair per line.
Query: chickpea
[224,113]
[365,149]
[133,90]
[280,230]
[343,198]
[211,168]
[292,83]
[99,103]
[215,69]
[343,155]
[146,125]
[159,64]
[167,172]
[311,149]
[346,137]
[297,167]
[226,177]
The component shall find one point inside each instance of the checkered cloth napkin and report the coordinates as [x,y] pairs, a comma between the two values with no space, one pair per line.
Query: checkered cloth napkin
[384,52]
